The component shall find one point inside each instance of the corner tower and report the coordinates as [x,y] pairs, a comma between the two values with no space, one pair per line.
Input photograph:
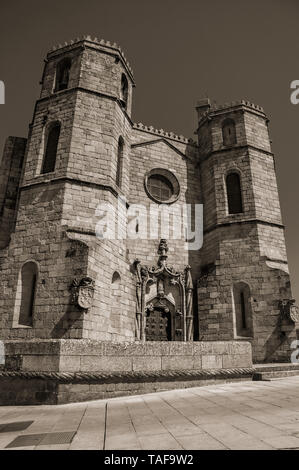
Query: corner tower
[87,90]
[77,158]
[244,277]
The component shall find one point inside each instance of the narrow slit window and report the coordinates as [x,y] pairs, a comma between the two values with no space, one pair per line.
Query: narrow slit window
[229,132]
[120,158]
[242,309]
[124,90]
[63,74]
[51,149]
[27,294]
[234,193]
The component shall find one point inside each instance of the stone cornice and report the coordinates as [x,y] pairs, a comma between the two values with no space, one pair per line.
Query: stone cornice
[81,231]
[85,90]
[234,147]
[71,180]
[243,222]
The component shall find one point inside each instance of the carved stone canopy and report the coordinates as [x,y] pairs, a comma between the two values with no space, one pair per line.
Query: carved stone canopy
[164,301]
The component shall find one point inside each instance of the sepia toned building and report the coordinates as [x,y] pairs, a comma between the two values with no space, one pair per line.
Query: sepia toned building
[62,280]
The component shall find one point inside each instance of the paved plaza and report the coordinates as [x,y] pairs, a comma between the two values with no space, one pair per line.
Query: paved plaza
[243,415]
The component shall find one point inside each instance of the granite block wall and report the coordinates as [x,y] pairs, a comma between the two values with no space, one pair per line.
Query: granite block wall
[247,247]
[56,218]
[11,169]
[93,356]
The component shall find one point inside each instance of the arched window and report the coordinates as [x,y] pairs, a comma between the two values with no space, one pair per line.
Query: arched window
[234,193]
[115,284]
[124,90]
[242,308]
[229,132]
[115,279]
[26,293]
[51,149]
[120,159]
[62,74]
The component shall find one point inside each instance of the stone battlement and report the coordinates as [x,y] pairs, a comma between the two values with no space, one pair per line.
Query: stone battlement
[87,40]
[232,104]
[215,107]
[163,133]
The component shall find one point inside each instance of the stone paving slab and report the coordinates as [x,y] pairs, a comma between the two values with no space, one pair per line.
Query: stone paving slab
[246,415]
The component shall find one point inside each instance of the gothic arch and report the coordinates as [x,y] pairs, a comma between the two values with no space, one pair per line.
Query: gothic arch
[25,295]
[52,134]
[243,322]
[233,188]
[62,74]
[116,280]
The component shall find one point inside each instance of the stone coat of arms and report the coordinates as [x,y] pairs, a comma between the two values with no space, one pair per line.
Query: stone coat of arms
[288,309]
[294,313]
[83,292]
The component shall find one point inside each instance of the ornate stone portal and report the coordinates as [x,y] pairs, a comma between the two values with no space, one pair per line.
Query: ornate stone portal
[164,301]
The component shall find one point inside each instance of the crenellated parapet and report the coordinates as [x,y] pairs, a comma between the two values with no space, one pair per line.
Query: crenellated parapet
[233,105]
[100,44]
[163,133]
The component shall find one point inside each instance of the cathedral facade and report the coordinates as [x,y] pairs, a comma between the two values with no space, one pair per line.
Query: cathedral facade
[62,278]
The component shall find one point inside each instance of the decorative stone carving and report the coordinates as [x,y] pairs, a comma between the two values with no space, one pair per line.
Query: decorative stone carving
[163,250]
[294,313]
[189,303]
[164,301]
[289,310]
[83,292]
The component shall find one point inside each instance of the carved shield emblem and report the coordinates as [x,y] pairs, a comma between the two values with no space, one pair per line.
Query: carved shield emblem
[85,296]
[83,292]
[294,313]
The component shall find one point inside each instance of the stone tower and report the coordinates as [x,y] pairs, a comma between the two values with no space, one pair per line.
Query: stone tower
[75,160]
[244,271]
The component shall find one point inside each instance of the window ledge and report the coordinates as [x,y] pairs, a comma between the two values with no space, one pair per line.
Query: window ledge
[22,326]
[243,337]
[46,177]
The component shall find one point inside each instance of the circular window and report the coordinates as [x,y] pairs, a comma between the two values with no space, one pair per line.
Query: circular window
[162,186]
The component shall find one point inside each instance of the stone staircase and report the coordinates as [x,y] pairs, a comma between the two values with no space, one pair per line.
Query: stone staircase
[274,371]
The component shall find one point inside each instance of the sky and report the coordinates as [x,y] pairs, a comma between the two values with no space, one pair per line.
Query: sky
[180,51]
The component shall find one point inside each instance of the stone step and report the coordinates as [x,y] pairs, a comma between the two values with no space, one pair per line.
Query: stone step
[276,366]
[275,371]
